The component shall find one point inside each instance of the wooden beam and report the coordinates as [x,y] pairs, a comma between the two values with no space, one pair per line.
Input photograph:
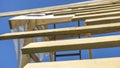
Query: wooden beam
[100,15]
[102,20]
[94,29]
[74,5]
[58,19]
[43,20]
[82,10]
[90,50]
[94,63]
[14,24]
[74,44]
[58,37]
[100,11]
[47,39]
[26,57]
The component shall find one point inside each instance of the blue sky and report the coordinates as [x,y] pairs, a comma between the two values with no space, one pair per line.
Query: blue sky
[7,50]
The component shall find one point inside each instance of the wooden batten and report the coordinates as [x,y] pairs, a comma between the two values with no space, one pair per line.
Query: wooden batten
[74,5]
[94,29]
[89,9]
[79,8]
[103,20]
[39,20]
[100,15]
[113,9]
[74,44]
[66,18]
[94,63]
[55,19]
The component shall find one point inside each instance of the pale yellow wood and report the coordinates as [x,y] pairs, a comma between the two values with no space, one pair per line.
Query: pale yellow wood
[90,50]
[57,19]
[94,3]
[26,57]
[67,36]
[25,60]
[30,26]
[82,10]
[103,20]
[113,9]
[94,63]
[47,39]
[14,24]
[39,20]
[74,44]
[64,18]
[97,15]
[74,5]
[94,29]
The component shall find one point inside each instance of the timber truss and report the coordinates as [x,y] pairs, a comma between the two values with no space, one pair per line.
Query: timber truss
[99,16]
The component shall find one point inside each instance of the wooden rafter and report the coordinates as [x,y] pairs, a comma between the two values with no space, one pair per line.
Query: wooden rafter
[74,44]
[83,4]
[94,29]
[88,9]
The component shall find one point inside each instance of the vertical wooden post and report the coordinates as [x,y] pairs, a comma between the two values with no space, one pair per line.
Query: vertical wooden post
[52,56]
[26,57]
[90,50]
[47,39]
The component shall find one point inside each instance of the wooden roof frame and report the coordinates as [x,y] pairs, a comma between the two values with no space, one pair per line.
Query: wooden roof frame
[78,17]
[110,41]
[74,44]
[60,7]
[53,8]
[93,29]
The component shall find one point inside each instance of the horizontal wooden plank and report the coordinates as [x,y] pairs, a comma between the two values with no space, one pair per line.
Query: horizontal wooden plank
[14,24]
[100,15]
[74,44]
[89,9]
[100,11]
[44,20]
[102,20]
[74,5]
[93,63]
[93,29]
[38,20]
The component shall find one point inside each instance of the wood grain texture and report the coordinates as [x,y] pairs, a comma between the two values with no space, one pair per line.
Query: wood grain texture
[103,20]
[39,20]
[83,10]
[93,29]
[74,5]
[26,58]
[94,63]
[47,39]
[97,15]
[65,18]
[74,44]
[111,9]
